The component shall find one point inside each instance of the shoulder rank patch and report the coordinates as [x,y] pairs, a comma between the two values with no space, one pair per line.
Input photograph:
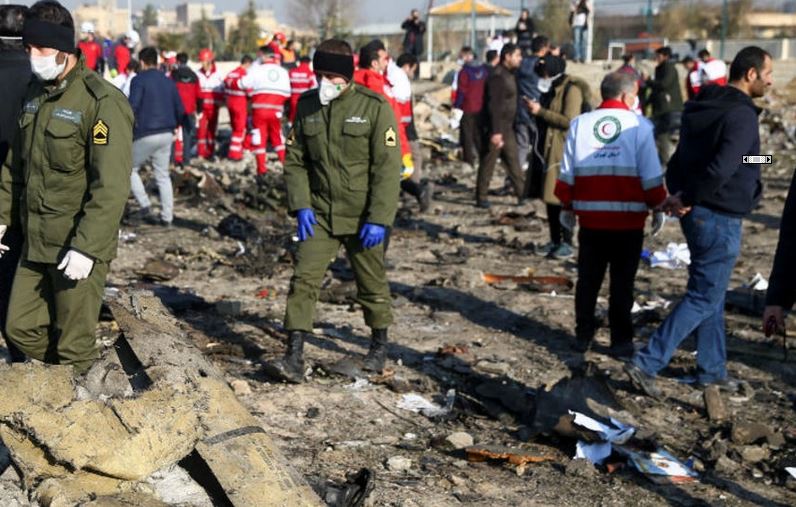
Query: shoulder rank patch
[291,137]
[390,138]
[100,133]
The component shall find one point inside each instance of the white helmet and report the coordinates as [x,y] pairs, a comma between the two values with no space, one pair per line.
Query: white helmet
[87,27]
[132,39]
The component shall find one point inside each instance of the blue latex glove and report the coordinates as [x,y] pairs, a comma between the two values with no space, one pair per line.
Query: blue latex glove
[372,235]
[306,219]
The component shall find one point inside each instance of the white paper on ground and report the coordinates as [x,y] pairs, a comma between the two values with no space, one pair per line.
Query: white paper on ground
[674,257]
[596,453]
[791,471]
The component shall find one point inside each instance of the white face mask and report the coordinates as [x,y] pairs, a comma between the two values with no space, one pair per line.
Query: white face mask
[546,83]
[46,68]
[328,91]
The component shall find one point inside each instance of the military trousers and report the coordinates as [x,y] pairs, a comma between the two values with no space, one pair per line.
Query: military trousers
[54,319]
[313,259]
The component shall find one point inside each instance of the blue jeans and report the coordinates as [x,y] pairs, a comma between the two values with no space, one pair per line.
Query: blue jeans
[715,242]
[579,41]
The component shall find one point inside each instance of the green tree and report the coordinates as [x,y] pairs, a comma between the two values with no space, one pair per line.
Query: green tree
[243,38]
[331,18]
[169,41]
[738,23]
[554,18]
[149,16]
[204,34]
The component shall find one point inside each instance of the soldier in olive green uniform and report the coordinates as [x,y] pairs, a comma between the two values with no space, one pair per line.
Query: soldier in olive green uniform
[66,181]
[343,177]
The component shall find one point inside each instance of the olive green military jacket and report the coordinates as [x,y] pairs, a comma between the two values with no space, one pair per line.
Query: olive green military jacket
[344,160]
[67,176]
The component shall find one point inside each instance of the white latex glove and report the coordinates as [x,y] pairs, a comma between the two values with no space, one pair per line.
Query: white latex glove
[567,219]
[3,248]
[76,266]
[658,220]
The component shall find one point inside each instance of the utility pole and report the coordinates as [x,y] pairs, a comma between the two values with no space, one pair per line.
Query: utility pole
[649,18]
[472,25]
[725,14]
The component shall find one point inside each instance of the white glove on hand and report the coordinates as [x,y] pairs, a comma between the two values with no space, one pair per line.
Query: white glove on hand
[76,266]
[567,219]
[3,248]
[658,221]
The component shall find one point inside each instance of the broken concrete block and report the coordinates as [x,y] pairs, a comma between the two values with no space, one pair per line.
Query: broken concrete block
[241,387]
[745,433]
[398,464]
[753,454]
[714,404]
[229,308]
[459,440]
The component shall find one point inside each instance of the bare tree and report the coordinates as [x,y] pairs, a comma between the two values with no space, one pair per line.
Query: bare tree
[332,18]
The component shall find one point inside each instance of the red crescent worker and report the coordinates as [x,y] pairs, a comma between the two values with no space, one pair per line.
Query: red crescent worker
[269,88]
[237,106]
[302,79]
[212,95]
[89,46]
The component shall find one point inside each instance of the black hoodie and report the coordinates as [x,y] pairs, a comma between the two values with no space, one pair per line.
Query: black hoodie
[718,128]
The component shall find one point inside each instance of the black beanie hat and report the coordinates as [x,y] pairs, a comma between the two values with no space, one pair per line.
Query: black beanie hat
[45,34]
[334,64]
[550,65]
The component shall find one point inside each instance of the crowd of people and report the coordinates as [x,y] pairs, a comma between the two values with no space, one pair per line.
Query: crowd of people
[73,145]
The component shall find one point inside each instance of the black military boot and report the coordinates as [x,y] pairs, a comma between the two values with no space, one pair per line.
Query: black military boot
[377,355]
[291,367]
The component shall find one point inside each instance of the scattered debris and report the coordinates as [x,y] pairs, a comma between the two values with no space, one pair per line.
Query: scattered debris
[158,270]
[419,405]
[676,256]
[481,453]
[660,466]
[615,433]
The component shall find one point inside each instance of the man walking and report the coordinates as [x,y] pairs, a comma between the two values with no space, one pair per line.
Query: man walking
[610,177]
[500,109]
[470,84]
[667,102]
[712,190]
[238,107]
[158,111]
[526,128]
[342,173]
[66,182]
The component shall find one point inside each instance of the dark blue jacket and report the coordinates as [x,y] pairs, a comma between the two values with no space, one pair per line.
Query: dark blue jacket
[156,104]
[718,128]
[527,85]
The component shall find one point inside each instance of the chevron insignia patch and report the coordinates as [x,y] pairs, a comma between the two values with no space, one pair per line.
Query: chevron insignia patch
[100,133]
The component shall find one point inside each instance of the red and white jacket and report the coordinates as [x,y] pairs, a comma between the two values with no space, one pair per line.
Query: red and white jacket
[232,89]
[402,91]
[378,83]
[211,83]
[269,87]
[693,82]
[713,71]
[610,174]
[302,79]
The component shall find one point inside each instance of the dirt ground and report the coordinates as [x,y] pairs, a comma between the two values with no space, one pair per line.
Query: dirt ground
[510,343]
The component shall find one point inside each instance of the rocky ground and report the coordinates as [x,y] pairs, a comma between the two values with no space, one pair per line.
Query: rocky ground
[491,349]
